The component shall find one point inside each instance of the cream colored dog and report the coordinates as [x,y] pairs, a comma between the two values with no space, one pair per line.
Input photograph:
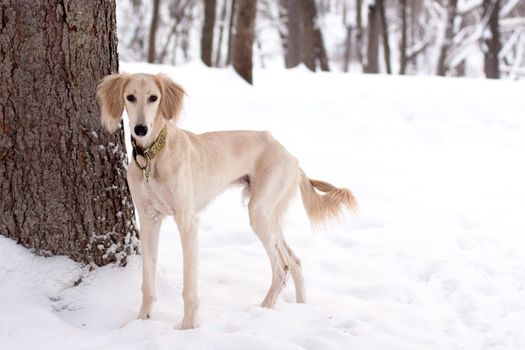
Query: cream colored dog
[178,173]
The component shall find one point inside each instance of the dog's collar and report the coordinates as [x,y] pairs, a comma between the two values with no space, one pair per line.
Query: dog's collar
[149,153]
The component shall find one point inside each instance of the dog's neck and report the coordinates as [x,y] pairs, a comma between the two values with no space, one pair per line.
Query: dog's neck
[144,156]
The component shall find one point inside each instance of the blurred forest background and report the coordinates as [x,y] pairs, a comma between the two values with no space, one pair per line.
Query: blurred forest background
[474,38]
[53,53]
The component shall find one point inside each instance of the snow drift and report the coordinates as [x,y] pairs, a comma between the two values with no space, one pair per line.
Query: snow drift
[433,261]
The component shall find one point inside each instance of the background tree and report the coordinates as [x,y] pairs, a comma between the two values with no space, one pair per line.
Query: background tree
[359,30]
[320,51]
[137,42]
[348,48]
[302,38]
[243,39]
[207,31]
[289,10]
[153,32]
[403,59]
[374,20]
[491,9]
[62,178]
[307,16]
[233,11]
[222,26]
[451,9]
[384,34]
[414,37]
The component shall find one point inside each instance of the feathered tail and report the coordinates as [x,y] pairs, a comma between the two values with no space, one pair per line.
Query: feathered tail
[330,205]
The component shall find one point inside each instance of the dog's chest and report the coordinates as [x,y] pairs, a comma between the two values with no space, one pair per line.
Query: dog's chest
[159,197]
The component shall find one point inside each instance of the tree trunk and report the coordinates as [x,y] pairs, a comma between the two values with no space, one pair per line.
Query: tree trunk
[447,40]
[403,61]
[372,64]
[359,31]
[415,31]
[282,28]
[291,44]
[221,34]
[384,28]
[461,69]
[493,44]
[62,178]
[230,32]
[243,39]
[320,50]
[303,40]
[348,48]
[307,13]
[207,31]
[153,31]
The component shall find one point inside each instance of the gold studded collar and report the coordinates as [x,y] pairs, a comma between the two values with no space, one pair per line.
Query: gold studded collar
[149,153]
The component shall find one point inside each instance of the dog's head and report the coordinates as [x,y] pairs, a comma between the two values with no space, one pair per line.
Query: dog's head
[146,97]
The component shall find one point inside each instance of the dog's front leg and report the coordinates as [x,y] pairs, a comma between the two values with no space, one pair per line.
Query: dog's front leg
[187,225]
[149,238]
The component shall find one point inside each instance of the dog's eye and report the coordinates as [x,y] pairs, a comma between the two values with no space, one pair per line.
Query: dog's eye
[131,98]
[152,98]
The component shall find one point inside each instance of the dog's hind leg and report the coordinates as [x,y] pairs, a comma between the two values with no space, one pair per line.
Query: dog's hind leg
[270,242]
[285,252]
[295,270]
[262,225]
[271,189]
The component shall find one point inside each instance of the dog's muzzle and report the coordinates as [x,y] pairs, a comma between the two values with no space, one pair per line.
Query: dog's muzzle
[141,130]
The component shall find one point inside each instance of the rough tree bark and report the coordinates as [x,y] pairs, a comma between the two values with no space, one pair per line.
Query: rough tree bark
[62,178]
[372,63]
[447,40]
[243,39]
[207,31]
[153,32]
[491,9]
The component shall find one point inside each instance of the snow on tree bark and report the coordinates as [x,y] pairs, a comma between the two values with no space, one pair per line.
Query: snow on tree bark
[62,178]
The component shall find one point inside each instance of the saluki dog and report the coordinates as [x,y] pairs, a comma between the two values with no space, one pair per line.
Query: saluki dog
[175,172]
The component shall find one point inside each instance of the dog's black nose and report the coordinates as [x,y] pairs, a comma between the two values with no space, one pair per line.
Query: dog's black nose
[141,130]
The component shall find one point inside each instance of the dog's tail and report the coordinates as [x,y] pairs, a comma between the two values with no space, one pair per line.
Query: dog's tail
[330,205]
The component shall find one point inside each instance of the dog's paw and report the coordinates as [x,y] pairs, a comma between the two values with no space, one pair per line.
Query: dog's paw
[143,315]
[145,308]
[268,303]
[188,323]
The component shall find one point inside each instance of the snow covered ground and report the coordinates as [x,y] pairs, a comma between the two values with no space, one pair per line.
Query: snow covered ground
[434,260]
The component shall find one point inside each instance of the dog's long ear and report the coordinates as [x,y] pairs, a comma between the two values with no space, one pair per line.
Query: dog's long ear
[172,96]
[110,92]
